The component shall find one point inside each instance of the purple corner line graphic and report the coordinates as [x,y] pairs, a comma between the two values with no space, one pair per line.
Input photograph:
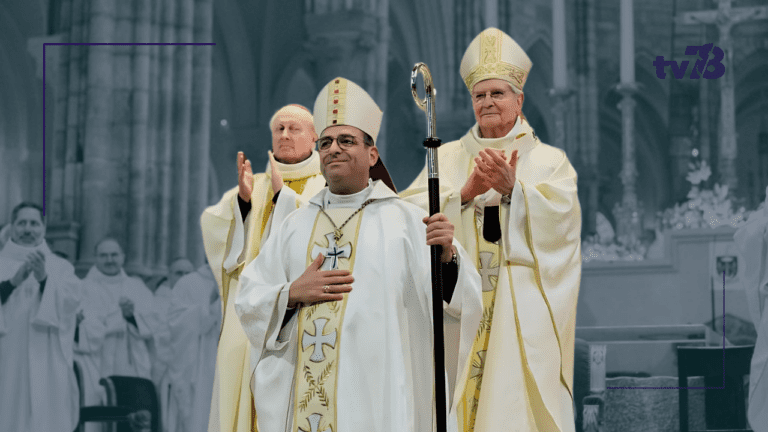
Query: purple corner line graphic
[95,43]
[690,388]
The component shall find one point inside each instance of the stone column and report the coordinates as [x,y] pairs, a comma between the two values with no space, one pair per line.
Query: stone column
[98,181]
[560,92]
[181,123]
[628,214]
[200,135]
[727,133]
[140,85]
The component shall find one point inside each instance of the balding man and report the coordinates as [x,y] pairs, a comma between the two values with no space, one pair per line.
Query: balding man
[233,232]
[117,323]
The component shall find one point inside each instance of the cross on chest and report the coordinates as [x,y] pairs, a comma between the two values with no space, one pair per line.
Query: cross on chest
[314,424]
[486,271]
[318,340]
[332,253]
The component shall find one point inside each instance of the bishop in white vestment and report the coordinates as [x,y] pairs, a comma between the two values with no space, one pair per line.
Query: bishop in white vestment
[194,320]
[39,296]
[233,232]
[514,202]
[337,305]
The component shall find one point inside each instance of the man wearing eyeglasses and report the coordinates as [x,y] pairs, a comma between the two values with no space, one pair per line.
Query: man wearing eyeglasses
[338,304]
[233,233]
[513,200]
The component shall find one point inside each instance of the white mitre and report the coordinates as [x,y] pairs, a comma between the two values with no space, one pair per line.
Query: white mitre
[495,55]
[342,102]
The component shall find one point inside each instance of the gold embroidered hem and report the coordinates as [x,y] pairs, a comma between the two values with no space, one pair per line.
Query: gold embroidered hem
[319,327]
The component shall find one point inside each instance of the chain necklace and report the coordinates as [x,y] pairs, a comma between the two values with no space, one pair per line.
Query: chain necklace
[337,230]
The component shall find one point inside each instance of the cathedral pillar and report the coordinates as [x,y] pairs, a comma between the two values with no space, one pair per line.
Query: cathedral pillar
[560,92]
[628,214]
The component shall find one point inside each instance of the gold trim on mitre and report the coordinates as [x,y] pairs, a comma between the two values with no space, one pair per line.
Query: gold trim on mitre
[342,102]
[495,55]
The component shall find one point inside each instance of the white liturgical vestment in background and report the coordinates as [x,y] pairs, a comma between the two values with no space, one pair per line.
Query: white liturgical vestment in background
[194,322]
[382,344]
[108,343]
[37,381]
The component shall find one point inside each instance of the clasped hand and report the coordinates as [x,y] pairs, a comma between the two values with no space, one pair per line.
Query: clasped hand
[491,171]
[35,263]
[126,306]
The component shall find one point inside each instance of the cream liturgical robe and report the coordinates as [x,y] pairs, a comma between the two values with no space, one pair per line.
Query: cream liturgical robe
[364,363]
[194,322]
[230,243]
[37,381]
[108,344]
[523,354]
[752,239]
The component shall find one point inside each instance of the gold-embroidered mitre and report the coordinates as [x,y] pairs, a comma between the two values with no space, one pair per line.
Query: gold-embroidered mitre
[495,55]
[342,102]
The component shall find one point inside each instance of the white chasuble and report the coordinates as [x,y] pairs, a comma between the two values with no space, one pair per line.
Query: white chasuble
[527,371]
[230,243]
[364,363]
[37,380]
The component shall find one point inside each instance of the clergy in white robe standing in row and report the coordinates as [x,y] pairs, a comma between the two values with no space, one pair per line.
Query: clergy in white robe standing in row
[161,352]
[515,204]
[40,295]
[118,324]
[337,305]
[194,320]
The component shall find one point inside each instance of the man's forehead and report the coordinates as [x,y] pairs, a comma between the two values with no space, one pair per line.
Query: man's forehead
[291,118]
[491,85]
[29,213]
[108,246]
[335,131]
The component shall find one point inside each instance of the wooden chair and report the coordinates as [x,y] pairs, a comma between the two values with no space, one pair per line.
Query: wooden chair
[127,397]
[726,407]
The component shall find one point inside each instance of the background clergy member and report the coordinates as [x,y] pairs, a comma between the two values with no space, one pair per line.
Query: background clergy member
[39,296]
[338,304]
[194,321]
[233,232]
[514,201]
[118,323]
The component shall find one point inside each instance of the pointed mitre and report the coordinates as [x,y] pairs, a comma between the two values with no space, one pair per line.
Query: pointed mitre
[342,102]
[495,55]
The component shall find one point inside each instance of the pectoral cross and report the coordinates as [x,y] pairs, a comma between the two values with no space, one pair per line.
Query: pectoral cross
[318,340]
[314,424]
[333,251]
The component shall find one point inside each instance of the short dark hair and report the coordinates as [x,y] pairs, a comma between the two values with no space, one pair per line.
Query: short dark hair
[23,205]
[367,140]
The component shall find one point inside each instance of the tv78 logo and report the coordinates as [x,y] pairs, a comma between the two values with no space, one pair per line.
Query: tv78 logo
[700,68]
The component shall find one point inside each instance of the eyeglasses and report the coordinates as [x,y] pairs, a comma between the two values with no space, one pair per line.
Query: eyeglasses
[496,95]
[345,141]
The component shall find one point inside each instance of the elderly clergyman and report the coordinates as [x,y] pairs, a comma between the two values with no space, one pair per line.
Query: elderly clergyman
[337,305]
[233,233]
[40,295]
[514,202]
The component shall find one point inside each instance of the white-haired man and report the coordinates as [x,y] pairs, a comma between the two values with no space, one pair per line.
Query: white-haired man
[514,202]
[233,233]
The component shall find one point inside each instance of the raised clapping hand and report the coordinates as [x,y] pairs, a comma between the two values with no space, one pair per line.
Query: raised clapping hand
[440,232]
[35,263]
[491,171]
[310,287]
[277,178]
[244,177]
